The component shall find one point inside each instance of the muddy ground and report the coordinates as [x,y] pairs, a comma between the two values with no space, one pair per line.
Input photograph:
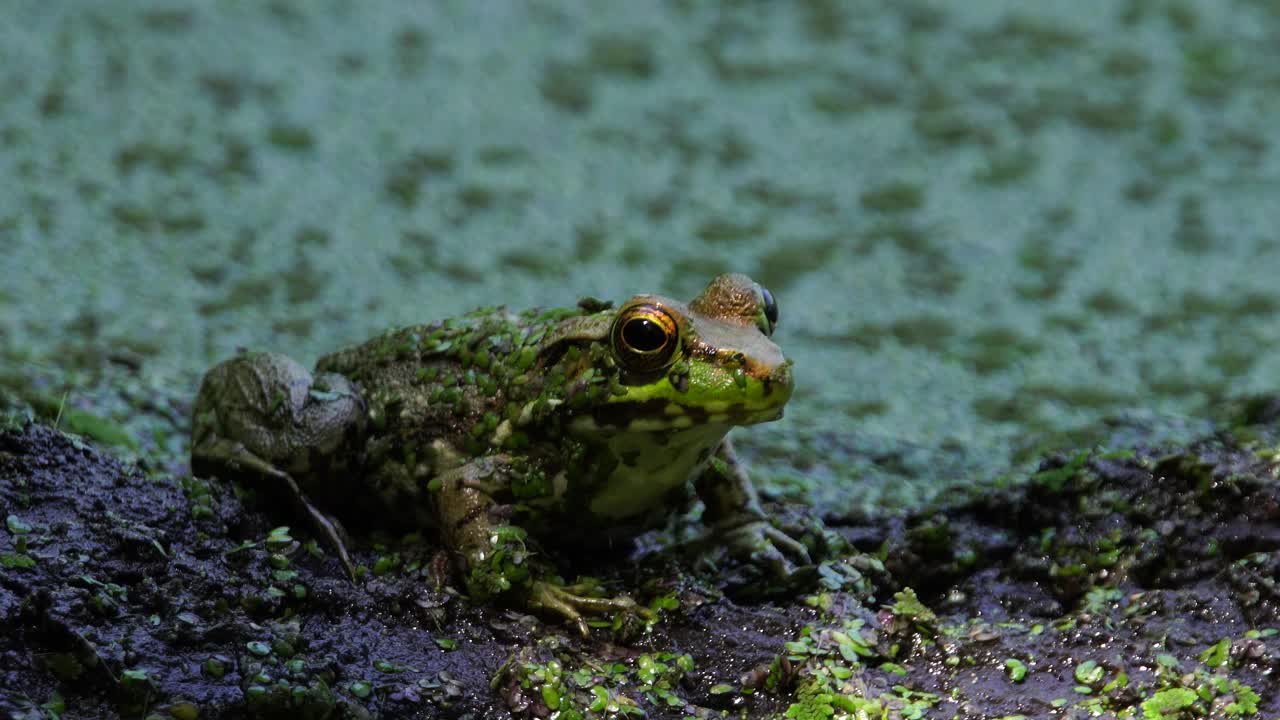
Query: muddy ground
[1125,582]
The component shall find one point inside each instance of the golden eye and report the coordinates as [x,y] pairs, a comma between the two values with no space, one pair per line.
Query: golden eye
[645,338]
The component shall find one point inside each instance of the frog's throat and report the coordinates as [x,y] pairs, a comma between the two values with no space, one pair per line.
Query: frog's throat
[649,466]
[658,414]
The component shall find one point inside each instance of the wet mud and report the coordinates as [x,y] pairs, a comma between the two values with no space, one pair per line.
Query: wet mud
[1129,582]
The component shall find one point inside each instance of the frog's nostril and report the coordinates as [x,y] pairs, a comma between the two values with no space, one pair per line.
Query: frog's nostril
[782,374]
[778,383]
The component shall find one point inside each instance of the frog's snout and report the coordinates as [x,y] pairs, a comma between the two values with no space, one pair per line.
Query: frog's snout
[780,381]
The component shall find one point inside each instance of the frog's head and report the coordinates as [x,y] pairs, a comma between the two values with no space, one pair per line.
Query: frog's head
[674,365]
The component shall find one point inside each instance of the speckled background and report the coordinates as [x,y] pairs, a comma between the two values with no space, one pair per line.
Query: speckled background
[987,229]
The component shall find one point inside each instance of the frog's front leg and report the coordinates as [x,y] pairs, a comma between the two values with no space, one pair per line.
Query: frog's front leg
[735,518]
[495,556]
[264,416]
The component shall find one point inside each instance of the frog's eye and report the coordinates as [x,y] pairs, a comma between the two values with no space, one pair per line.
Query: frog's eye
[645,337]
[770,308]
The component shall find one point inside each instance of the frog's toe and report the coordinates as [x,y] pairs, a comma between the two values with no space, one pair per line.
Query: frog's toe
[328,527]
[570,602]
[545,596]
[787,545]
[214,454]
[763,544]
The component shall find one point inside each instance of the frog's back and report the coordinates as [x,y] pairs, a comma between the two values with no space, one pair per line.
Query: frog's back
[453,380]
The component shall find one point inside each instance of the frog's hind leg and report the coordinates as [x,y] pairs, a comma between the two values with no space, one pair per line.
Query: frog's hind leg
[241,462]
[493,552]
[265,417]
[471,520]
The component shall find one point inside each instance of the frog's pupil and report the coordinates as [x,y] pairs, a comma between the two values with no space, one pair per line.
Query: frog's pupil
[770,307]
[644,335]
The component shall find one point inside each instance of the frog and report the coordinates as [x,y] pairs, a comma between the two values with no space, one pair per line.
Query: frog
[506,430]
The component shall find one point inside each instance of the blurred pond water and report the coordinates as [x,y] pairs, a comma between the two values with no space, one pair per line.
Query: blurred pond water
[989,226]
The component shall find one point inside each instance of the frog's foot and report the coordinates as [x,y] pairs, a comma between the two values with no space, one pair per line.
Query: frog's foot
[759,543]
[219,452]
[571,601]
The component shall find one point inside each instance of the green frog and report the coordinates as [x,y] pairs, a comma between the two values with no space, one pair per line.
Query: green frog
[577,425]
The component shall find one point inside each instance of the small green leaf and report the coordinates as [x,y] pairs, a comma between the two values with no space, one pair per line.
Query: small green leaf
[601,700]
[1218,654]
[1089,672]
[214,668]
[17,561]
[279,538]
[1167,703]
[360,689]
[551,697]
[16,525]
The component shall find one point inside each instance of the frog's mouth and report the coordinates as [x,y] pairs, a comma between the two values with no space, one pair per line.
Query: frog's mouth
[658,415]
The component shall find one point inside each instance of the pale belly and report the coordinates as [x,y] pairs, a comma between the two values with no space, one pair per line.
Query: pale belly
[650,466]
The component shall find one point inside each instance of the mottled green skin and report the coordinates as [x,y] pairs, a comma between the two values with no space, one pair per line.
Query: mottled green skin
[497,423]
